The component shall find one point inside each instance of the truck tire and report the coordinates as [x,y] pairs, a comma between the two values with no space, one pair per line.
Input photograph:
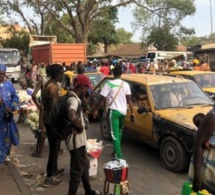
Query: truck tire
[173,155]
[105,129]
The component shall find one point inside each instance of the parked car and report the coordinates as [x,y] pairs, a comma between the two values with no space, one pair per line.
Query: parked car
[69,76]
[166,126]
[205,79]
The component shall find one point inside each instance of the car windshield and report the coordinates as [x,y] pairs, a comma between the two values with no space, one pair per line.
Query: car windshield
[175,95]
[205,80]
[95,78]
[9,57]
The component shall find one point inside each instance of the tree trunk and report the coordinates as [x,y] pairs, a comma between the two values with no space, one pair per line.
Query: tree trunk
[105,47]
[81,38]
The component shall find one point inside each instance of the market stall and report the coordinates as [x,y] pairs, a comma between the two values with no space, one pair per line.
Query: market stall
[27,105]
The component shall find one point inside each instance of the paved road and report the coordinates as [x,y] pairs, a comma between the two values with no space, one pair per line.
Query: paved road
[146,173]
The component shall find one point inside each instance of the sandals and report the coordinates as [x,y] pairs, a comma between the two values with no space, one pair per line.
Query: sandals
[7,160]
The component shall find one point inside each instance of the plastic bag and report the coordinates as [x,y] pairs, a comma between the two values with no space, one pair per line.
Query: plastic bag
[187,190]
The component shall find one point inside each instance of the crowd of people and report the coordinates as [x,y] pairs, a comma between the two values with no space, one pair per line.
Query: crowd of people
[31,72]
[118,94]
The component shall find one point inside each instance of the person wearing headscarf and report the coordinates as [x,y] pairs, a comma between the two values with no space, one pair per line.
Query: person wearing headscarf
[9,102]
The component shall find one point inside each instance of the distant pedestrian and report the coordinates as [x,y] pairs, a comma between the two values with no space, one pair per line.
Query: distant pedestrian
[9,102]
[72,66]
[49,99]
[118,94]
[42,129]
[42,70]
[104,69]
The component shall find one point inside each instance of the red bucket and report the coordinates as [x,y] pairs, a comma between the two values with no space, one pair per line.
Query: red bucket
[124,175]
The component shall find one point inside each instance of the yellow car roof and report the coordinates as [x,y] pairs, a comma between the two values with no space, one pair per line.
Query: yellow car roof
[191,72]
[150,79]
[71,73]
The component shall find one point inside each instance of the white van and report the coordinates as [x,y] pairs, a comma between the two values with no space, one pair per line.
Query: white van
[161,55]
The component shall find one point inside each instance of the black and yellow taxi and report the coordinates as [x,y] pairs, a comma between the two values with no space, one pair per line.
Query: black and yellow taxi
[164,107]
[205,79]
[69,76]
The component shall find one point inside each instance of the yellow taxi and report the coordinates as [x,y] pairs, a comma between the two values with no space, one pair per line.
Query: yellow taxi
[69,76]
[205,79]
[164,107]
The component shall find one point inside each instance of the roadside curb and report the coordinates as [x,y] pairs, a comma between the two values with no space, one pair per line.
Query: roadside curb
[22,187]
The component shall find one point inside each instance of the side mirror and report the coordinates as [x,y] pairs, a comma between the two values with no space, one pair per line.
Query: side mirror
[142,110]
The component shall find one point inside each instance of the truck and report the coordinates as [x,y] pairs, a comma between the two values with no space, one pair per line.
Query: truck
[10,57]
[59,53]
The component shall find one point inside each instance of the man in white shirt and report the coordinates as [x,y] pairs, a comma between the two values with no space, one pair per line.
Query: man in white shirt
[118,95]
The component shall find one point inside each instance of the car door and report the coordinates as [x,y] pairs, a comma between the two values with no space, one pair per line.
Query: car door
[142,127]
[95,97]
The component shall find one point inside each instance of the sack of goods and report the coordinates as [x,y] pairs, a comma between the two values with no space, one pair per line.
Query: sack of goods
[187,190]
[116,177]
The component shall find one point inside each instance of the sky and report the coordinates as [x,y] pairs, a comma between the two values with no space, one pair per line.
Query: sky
[200,21]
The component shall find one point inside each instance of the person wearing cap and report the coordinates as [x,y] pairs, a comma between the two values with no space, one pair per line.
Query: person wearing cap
[77,141]
[9,102]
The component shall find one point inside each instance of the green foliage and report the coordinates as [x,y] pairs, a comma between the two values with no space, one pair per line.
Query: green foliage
[91,49]
[124,36]
[190,41]
[162,39]
[80,15]
[103,29]
[18,39]
[63,36]
[161,14]
[187,37]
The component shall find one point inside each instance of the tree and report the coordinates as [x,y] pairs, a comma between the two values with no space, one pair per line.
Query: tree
[124,36]
[37,22]
[81,13]
[62,35]
[18,39]
[187,37]
[91,49]
[103,29]
[162,39]
[162,14]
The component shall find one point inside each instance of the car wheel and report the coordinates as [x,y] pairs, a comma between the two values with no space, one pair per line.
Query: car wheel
[105,129]
[173,155]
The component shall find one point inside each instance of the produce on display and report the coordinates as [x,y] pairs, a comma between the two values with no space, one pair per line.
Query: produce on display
[187,190]
[33,122]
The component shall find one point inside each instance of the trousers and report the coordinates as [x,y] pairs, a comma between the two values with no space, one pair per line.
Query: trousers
[54,146]
[79,171]
[116,125]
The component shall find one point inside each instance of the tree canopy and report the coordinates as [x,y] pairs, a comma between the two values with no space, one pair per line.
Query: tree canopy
[18,39]
[103,29]
[37,21]
[80,13]
[163,15]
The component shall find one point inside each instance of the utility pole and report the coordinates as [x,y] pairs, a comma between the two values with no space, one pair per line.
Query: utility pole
[211,19]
